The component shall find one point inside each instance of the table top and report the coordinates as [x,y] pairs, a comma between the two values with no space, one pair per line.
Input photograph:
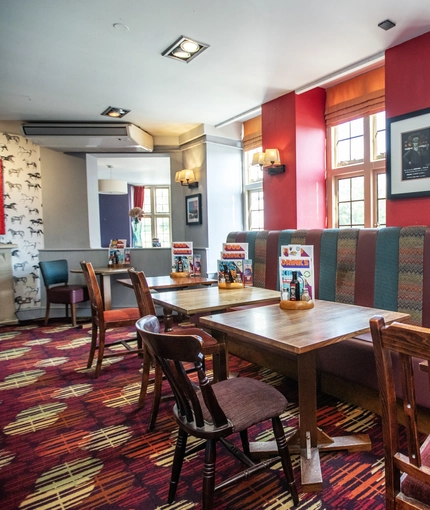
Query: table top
[298,331]
[210,299]
[106,270]
[166,282]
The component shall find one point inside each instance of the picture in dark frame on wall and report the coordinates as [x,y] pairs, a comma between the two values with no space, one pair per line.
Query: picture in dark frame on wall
[193,209]
[408,161]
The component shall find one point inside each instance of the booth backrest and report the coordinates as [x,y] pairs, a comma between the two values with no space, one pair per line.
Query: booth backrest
[387,268]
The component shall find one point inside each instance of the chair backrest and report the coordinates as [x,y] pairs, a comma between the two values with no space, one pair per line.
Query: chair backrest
[171,351]
[143,293]
[54,272]
[408,341]
[93,290]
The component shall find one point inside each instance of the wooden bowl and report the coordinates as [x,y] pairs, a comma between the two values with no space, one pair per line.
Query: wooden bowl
[296,305]
[184,274]
[234,285]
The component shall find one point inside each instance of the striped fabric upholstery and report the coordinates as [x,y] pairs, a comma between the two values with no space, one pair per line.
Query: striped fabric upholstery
[346,260]
[259,260]
[411,271]
[387,268]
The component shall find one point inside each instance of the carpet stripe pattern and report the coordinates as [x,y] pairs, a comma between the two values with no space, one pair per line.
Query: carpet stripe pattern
[72,441]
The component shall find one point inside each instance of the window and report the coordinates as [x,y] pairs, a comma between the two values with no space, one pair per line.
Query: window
[254,200]
[156,223]
[356,184]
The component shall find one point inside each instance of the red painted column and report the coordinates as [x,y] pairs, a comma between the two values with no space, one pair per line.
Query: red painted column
[295,125]
[407,78]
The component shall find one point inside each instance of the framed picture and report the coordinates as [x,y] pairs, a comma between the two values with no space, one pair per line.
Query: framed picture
[408,162]
[193,209]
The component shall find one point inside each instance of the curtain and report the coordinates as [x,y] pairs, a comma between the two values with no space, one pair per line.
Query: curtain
[252,137]
[138,196]
[358,97]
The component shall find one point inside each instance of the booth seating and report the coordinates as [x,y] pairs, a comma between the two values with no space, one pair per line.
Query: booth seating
[387,268]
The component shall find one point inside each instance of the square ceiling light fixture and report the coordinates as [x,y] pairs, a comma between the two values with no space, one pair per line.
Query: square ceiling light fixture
[115,113]
[185,49]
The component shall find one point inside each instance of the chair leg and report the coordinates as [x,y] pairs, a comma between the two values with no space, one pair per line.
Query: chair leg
[284,453]
[245,442]
[145,377]
[158,382]
[178,459]
[209,475]
[102,334]
[93,345]
[48,306]
[73,310]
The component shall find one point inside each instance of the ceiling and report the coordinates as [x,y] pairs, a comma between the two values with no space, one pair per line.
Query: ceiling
[65,61]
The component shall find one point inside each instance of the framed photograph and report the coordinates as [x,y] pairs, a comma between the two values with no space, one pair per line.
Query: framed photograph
[193,209]
[408,162]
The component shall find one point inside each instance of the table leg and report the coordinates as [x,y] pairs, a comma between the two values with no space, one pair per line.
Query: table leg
[220,369]
[168,319]
[106,290]
[309,440]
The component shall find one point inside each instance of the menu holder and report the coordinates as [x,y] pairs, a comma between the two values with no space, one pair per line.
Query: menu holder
[296,305]
[232,285]
[183,274]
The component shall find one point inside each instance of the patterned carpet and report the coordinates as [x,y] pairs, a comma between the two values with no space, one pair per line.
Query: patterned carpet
[70,441]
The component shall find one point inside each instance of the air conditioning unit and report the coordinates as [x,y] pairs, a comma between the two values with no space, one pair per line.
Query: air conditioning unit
[89,137]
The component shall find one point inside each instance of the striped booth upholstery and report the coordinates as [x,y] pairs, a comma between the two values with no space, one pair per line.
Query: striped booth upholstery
[386,268]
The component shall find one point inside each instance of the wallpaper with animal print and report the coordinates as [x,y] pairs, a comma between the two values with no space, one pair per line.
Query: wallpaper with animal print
[22,193]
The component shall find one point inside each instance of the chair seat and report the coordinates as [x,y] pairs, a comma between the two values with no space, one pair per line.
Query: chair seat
[412,487]
[246,401]
[122,314]
[67,294]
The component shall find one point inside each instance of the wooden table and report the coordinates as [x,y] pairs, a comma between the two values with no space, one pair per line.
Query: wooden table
[166,282]
[104,274]
[210,299]
[302,332]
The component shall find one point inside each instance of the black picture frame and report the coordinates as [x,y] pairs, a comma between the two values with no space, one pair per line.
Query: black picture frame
[193,209]
[408,169]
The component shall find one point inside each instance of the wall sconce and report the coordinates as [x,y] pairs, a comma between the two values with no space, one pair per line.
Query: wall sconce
[269,161]
[186,178]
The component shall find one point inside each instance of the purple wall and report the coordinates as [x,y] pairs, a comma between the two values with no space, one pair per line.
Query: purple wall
[114,218]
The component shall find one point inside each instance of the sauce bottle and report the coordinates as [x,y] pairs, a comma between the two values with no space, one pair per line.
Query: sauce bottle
[294,288]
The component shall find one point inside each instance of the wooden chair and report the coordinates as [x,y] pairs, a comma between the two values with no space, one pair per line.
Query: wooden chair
[210,346]
[407,476]
[104,319]
[55,274]
[214,411]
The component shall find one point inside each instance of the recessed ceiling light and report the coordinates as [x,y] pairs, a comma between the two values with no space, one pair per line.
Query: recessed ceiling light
[121,26]
[116,113]
[386,25]
[185,49]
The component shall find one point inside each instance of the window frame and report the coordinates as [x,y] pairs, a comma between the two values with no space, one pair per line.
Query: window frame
[369,168]
[153,215]
[250,187]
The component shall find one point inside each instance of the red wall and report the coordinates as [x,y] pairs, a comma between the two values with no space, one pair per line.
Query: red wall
[407,89]
[295,126]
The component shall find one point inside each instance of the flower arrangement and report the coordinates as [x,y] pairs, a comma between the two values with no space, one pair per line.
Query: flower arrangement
[136,213]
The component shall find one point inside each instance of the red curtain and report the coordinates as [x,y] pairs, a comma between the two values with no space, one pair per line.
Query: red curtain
[2,224]
[138,196]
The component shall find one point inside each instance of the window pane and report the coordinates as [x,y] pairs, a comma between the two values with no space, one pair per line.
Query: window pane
[253,172]
[256,210]
[357,127]
[343,154]
[163,231]
[381,192]
[147,201]
[357,210]
[344,187]
[162,200]
[357,149]
[344,214]
[357,188]
[378,136]
[382,186]
[146,232]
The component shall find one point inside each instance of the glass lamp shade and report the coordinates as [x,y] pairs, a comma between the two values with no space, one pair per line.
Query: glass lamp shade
[186,176]
[112,187]
[271,156]
[258,158]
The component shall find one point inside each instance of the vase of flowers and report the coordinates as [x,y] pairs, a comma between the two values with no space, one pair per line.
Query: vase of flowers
[136,215]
